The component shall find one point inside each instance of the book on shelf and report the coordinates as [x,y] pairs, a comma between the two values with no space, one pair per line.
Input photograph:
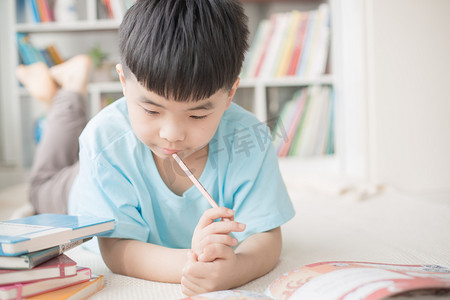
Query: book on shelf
[27,289]
[36,11]
[348,280]
[33,259]
[42,231]
[295,43]
[60,266]
[115,9]
[307,119]
[315,62]
[29,54]
[74,292]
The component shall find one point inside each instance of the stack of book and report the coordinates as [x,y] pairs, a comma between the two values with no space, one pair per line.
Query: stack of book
[29,54]
[305,126]
[290,44]
[32,260]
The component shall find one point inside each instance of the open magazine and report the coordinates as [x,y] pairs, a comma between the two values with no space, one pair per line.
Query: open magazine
[349,280]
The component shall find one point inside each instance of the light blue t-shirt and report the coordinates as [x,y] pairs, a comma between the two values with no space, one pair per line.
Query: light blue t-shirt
[118,178]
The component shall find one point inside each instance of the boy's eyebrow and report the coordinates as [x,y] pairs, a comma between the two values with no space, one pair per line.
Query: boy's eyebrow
[145,100]
[205,106]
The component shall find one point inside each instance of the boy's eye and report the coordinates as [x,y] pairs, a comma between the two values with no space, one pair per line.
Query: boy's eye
[150,112]
[198,117]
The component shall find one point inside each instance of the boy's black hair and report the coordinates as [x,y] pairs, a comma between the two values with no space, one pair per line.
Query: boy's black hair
[184,49]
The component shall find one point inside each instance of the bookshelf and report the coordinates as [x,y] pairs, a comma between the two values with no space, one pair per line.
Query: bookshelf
[263,96]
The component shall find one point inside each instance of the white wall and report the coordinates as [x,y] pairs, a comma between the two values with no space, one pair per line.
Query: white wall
[408,46]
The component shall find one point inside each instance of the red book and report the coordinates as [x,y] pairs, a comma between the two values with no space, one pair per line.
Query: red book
[266,45]
[23,290]
[60,266]
[298,45]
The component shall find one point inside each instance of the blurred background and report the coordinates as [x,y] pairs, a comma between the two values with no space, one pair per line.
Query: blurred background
[353,89]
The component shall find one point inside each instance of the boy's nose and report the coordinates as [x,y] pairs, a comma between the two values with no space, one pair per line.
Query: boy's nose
[172,132]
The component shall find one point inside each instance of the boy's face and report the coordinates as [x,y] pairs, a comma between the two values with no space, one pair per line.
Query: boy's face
[167,126]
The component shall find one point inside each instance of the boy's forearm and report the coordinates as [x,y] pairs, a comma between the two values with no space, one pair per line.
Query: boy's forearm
[143,260]
[258,255]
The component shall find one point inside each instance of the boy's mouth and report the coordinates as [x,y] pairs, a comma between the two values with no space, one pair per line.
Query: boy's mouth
[169,151]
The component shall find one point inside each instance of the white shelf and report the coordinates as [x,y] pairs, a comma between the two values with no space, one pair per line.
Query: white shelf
[286,81]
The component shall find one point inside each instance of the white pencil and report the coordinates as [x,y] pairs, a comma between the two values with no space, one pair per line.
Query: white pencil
[195,180]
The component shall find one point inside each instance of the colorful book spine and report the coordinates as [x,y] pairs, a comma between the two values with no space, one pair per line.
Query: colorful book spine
[305,124]
[297,44]
[32,4]
[60,266]
[78,291]
[33,259]
[28,289]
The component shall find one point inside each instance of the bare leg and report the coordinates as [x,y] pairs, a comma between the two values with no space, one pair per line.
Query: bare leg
[36,78]
[56,160]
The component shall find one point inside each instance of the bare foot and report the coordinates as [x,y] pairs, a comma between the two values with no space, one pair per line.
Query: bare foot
[36,78]
[73,74]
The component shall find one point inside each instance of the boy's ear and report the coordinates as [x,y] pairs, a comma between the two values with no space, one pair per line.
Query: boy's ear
[119,70]
[233,91]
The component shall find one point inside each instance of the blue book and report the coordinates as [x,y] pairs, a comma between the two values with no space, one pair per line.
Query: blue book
[33,259]
[34,10]
[43,231]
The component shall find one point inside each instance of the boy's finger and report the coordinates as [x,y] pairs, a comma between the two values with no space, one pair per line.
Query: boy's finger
[188,287]
[215,251]
[212,214]
[224,227]
[192,257]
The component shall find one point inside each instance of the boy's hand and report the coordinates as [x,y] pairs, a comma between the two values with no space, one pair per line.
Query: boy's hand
[202,277]
[209,232]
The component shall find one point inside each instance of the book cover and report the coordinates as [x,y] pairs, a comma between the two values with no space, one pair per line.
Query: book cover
[274,48]
[32,4]
[319,148]
[54,54]
[23,290]
[329,147]
[33,259]
[293,150]
[60,266]
[249,66]
[298,47]
[42,231]
[299,108]
[74,292]
[23,51]
[289,44]
[306,47]
[41,10]
[261,58]
[282,126]
[320,45]
[348,280]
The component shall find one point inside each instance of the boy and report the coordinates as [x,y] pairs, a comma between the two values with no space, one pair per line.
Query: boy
[179,73]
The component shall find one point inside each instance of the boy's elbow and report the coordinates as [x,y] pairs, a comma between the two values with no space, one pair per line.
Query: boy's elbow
[110,249]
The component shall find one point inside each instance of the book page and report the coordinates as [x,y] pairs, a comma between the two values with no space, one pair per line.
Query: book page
[336,284]
[357,280]
[12,229]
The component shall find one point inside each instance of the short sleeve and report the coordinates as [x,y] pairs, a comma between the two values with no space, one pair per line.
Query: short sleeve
[259,195]
[102,190]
